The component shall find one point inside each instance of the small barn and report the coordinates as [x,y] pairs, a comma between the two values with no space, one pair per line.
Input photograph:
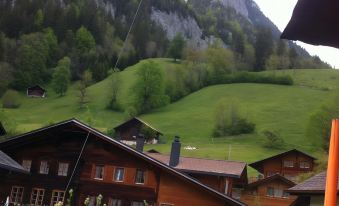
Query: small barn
[128,131]
[2,130]
[36,91]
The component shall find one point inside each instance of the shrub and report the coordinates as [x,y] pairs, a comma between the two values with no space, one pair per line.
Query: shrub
[273,140]
[11,99]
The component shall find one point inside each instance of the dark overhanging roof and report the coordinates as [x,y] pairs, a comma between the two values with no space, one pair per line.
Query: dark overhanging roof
[36,87]
[132,151]
[314,22]
[257,163]
[271,178]
[8,164]
[141,121]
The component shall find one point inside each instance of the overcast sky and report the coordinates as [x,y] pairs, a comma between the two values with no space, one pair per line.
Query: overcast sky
[280,12]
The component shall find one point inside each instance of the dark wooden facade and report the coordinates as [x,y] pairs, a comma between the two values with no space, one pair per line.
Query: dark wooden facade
[36,91]
[268,192]
[64,142]
[128,131]
[288,164]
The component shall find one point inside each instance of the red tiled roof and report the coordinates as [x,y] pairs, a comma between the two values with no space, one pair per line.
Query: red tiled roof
[198,165]
[313,185]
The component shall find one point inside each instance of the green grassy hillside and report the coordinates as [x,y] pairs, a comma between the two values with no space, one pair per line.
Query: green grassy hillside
[285,109]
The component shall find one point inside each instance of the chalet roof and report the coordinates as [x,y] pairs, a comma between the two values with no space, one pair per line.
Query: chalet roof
[138,120]
[270,179]
[96,133]
[257,164]
[313,185]
[314,22]
[35,87]
[7,163]
[2,130]
[205,166]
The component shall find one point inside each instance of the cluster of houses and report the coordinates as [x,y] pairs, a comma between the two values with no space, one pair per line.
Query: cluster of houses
[40,167]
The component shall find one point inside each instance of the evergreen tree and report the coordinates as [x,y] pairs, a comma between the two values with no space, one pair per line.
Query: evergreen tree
[62,76]
[263,48]
[84,40]
[176,47]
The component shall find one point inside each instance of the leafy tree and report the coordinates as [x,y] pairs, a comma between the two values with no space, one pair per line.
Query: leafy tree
[263,48]
[84,40]
[115,89]
[219,59]
[62,76]
[8,123]
[38,19]
[85,81]
[176,47]
[6,76]
[293,57]
[149,88]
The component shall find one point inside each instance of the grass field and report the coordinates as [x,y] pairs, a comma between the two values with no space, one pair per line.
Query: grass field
[285,109]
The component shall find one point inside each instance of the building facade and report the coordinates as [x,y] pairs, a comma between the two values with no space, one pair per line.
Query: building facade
[71,155]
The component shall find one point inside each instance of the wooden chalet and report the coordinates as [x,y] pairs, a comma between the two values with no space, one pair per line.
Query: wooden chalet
[128,131]
[36,91]
[2,130]
[288,164]
[73,155]
[269,191]
[228,177]
[311,192]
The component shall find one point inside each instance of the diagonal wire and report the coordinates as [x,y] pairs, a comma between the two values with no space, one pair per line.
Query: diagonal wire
[128,33]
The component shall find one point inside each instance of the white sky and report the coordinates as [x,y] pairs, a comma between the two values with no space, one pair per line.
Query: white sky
[280,12]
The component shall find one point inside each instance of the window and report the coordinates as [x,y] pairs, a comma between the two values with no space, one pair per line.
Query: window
[92,200]
[285,194]
[137,203]
[140,177]
[305,165]
[26,164]
[270,173]
[288,163]
[37,196]
[99,172]
[226,186]
[270,191]
[278,192]
[236,193]
[114,202]
[57,196]
[63,169]
[16,195]
[44,167]
[119,174]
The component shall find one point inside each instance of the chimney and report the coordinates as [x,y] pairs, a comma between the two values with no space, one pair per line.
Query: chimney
[140,143]
[175,152]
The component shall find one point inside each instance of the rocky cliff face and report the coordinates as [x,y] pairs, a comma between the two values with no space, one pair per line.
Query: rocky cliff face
[240,6]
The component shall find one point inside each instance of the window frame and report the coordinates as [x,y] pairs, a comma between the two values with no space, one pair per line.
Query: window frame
[35,202]
[58,196]
[16,193]
[111,199]
[46,171]
[267,192]
[137,202]
[287,165]
[136,176]
[63,174]
[102,173]
[304,162]
[24,165]
[115,173]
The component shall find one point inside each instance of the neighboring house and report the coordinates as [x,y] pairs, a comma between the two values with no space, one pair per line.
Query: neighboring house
[228,177]
[73,155]
[128,131]
[36,91]
[311,192]
[268,192]
[2,130]
[288,164]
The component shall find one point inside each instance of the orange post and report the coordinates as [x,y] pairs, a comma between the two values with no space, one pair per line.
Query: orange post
[333,167]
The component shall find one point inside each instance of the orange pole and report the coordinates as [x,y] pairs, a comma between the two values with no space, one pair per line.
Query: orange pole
[333,167]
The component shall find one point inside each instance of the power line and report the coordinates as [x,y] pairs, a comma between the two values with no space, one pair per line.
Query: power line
[128,33]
